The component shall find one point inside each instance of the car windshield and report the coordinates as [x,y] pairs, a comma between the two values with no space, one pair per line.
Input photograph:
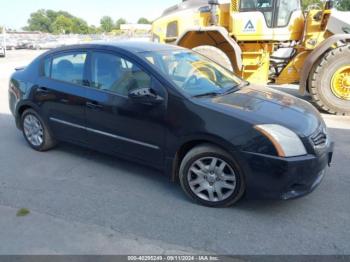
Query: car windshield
[192,73]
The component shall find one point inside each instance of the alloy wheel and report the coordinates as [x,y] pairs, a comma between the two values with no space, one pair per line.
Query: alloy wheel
[33,130]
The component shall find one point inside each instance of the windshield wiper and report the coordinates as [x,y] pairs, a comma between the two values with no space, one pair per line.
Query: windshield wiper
[236,87]
[207,94]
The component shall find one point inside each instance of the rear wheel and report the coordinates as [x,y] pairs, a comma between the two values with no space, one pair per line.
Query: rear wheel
[36,132]
[211,177]
[215,54]
[329,81]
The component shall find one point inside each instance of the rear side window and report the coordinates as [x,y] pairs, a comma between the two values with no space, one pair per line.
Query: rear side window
[68,67]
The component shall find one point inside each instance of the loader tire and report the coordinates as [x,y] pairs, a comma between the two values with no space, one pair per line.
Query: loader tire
[329,81]
[215,54]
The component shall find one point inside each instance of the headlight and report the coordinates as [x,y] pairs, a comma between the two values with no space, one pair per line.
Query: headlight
[286,142]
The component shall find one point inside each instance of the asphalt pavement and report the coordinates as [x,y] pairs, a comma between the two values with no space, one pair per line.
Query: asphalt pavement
[84,202]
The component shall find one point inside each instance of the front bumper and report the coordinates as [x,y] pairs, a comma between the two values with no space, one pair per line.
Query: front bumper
[271,177]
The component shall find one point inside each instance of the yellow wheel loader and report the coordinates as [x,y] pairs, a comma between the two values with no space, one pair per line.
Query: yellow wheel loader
[269,41]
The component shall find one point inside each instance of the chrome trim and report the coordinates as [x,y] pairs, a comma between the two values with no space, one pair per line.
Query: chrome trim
[66,123]
[104,133]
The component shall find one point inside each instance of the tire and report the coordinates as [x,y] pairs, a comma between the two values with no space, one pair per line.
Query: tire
[320,81]
[47,141]
[211,181]
[214,54]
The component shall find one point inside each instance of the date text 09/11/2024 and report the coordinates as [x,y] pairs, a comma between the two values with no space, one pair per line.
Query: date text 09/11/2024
[173,258]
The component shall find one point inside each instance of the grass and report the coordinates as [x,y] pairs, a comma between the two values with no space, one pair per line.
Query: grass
[22,212]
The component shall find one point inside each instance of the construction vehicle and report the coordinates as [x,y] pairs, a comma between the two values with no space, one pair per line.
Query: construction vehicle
[269,41]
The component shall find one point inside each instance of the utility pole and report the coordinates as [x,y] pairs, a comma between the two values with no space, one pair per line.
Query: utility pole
[4,37]
[3,42]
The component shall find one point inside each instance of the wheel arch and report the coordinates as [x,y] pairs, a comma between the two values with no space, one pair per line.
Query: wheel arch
[216,36]
[315,55]
[20,110]
[186,145]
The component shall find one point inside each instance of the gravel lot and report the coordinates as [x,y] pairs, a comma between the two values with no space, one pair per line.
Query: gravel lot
[83,202]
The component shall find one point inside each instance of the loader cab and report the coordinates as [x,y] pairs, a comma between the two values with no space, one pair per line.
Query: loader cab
[275,20]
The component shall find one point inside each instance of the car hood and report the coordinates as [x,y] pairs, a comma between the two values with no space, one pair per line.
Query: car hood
[262,105]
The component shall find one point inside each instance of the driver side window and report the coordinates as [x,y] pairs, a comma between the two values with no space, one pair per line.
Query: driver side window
[116,74]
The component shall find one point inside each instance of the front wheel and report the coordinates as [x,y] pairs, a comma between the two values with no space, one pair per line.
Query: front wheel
[211,177]
[329,81]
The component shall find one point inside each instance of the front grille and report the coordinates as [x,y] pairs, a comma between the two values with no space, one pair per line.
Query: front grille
[320,139]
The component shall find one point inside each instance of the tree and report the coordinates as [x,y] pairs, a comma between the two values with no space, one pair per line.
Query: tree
[62,25]
[119,22]
[50,21]
[39,21]
[343,5]
[79,26]
[143,20]
[106,24]
[94,30]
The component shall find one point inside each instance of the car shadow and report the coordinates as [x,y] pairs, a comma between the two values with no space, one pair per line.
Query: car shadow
[157,177]
[127,168]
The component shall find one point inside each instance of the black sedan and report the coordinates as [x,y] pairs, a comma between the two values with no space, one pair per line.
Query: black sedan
[175,110]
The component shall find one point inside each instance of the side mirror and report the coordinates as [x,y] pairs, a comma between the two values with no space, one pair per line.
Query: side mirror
[146,96]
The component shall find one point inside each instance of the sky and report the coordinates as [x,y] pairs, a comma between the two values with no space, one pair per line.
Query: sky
[15,13]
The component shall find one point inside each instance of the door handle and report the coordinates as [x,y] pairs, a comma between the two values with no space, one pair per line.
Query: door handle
[94,105]
[42,90]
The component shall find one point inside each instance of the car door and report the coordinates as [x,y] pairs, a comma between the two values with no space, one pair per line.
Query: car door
[114,122]
[61,94]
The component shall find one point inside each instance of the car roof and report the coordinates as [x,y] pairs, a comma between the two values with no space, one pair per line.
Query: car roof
[141,46]
[129,46]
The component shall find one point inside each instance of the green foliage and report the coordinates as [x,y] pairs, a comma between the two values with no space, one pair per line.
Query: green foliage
[143,20]
[119,22]
[50,21]
[343,5]
[94,30]
[62,25]
[22,212]
[79,25]
[39,21]
[107,24]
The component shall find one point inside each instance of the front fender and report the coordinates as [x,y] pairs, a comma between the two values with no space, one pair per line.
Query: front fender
[185,143]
